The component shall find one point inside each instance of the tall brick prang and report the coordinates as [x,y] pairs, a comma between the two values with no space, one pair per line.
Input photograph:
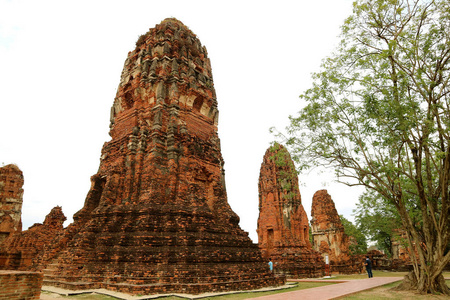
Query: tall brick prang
[11,198]
[283,229]
[156,218]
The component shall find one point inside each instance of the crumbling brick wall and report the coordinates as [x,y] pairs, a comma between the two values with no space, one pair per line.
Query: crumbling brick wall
[11,197]
[22,250]
[19,285]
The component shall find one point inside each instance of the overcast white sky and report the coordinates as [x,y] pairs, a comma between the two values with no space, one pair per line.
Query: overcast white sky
[60,66]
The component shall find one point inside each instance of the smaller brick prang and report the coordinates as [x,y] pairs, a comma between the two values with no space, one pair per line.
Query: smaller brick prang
[283,229]
[329,237]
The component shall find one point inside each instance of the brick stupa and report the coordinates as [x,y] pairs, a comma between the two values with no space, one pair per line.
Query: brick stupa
[329,237]
[156,218]
[283,229]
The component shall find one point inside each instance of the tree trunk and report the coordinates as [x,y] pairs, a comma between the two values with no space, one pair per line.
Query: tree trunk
[425,284]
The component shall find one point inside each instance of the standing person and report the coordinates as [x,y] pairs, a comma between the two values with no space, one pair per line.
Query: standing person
[368,265]
[270,265]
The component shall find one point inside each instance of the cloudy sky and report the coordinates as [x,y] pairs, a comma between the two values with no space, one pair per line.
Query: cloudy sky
[60,65]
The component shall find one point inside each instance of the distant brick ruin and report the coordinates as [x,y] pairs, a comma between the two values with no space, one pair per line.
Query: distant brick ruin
[327,230]
[156,218]
[283,229]
[11,197]
[329,237]
[21,250]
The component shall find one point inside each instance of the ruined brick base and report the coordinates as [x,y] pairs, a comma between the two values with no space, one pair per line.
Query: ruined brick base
[20,250]
[353,266]
[219,284]
[302,263]
[158,255]
[20,285]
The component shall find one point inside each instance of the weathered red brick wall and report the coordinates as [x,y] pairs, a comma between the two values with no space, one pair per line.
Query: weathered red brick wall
[156,218]
[11,197]
[283,229]
[19,285]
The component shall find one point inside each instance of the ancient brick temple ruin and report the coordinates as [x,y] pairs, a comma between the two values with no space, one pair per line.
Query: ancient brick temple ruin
[329,237]
[283,229]
[156,218]
[11,197]
[23,249]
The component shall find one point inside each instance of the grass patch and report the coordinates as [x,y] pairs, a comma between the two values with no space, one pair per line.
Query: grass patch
[296,287]
[385,292]
[376,273]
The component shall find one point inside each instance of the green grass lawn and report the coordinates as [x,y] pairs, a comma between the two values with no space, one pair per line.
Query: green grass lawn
[376,273]
[296,287]
[386,292]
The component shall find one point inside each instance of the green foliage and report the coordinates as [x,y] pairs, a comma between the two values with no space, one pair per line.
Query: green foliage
[377,219]
[141,39]
[287,174]
[280,156]
[353,231]
[378,112]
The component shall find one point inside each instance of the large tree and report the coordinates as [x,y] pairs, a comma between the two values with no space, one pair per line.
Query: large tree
[378,112]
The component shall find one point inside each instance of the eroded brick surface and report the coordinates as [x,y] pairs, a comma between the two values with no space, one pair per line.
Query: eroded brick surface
[156,218]
[329,237]
[283,229]
[11,197]
[15,285]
